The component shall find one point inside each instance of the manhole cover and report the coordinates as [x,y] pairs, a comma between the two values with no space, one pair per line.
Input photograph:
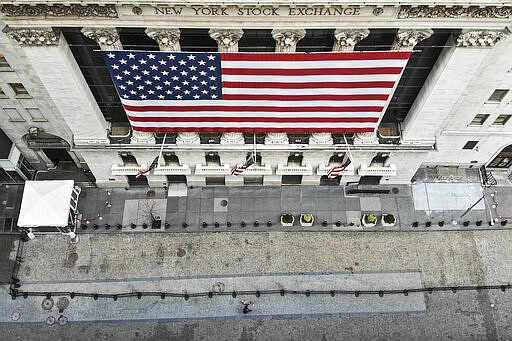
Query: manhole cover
[72,257]
[181,252]
[63,320]
[150,194]
[50,320]
[395,190]
[62,303]
[224,203]
[15,316]
[218,287]
[47,303]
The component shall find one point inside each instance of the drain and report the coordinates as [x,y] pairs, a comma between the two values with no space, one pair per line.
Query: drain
[223,203]
[50,320]
[15,316]
[72,257]
[395,190]
[181,252]
[150,193]
[47,303]
[62,303]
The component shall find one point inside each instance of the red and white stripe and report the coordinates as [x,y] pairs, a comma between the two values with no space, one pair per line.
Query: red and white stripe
[284,92]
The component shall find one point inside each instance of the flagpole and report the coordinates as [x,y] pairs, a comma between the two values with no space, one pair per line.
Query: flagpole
[348,149]
[161,149]
[254,146]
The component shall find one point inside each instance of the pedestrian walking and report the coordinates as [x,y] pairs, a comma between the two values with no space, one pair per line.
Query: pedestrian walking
[246,304]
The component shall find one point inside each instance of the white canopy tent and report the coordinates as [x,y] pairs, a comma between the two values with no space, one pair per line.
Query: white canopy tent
[50,203]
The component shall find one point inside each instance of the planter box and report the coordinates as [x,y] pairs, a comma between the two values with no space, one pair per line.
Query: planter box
[283,223]
[303,223]
[390,223]
[365,223]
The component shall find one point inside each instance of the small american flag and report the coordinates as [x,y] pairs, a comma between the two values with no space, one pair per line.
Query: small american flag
[335,171]
[152,166]
[255,92]
[239,170]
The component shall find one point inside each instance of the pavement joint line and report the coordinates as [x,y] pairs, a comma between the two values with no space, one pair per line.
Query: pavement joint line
[215,276]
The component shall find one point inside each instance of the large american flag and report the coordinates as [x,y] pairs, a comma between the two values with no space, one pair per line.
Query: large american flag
[255,92]
[335,171]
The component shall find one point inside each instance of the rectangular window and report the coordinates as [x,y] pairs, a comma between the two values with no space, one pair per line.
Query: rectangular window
[19,90]
[36,115]
[501,120]
[470,145]
[498,95]
[479,120]
[14,115]
[4,65]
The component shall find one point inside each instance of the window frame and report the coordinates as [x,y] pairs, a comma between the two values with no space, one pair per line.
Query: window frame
[471,144]
[19,92]
[474,123]
[504,93]
[505,116]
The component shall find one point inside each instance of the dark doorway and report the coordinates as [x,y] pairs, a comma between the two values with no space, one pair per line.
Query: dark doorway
[176,179]
[57,155]
[291,180]
[325,181]
[215,181]
[370,180]
[140,182]
[503,159]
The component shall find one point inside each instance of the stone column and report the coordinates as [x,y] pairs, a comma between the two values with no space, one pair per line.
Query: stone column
[54,64]
[227,39]
[407,39]
[276,138]
[458,74]
[286,40]
[188,138]
[321,138]
[346,40]
[232,138]
[168,39]
[404,40]
[108,39]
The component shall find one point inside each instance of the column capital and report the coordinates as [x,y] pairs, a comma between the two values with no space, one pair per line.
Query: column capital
[107,38]
[321,138]
[188,138]
[276,138]
[345,40]
[227,39]
[366,138]
[480,38]
[168,39]
[406,39]
[286,40]
[232,138]
[41,36]
[142,137]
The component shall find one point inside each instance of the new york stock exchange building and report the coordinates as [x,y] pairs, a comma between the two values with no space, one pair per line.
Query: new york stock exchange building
[402,87]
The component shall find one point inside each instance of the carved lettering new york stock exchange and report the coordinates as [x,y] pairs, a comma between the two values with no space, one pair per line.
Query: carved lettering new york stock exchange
[258,11]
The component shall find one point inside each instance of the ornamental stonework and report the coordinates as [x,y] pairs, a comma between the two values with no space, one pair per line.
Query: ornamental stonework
[44,36]
[408,12]
[286,40]
[480,38]
[107,11]
[227,40]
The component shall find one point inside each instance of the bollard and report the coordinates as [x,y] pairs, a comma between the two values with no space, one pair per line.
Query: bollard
[256,223]
[503,223]
[204,224]
[478,223]
[441,223]
[269,223]
[84,227]
[119,226]
[107,227]
[184,225]
[466,223]
[95,226]
[415,224]
[167,225]
[132,225]
[428,224]
[324,223]
[242,224]
[217,224]
[144,226]
[338,223]
[228,224]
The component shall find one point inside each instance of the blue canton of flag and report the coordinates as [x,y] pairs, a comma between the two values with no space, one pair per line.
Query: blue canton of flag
[170,76]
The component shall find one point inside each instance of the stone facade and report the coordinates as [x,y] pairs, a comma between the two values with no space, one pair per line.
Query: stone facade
[469,68]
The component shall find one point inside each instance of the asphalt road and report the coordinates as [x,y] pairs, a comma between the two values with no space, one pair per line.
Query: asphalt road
[483,315]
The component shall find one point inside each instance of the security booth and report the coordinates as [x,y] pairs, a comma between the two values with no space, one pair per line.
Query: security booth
[49,206]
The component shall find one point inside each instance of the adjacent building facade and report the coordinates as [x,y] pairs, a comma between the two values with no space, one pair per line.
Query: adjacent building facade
[450,110]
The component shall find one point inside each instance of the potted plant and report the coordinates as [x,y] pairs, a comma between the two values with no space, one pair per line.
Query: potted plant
[307,219]
[369,220]
[287,219]
[388,220]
